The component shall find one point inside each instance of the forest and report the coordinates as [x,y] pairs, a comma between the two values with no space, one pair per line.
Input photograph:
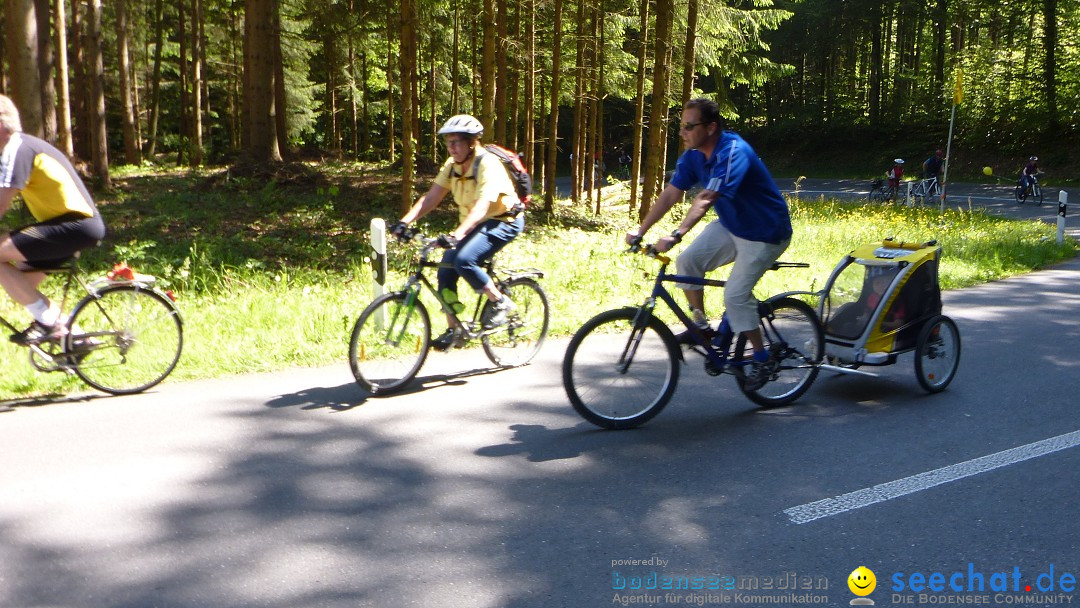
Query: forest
[228,82]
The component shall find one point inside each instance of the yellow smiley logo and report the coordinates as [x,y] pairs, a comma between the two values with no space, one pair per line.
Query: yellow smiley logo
[862,581]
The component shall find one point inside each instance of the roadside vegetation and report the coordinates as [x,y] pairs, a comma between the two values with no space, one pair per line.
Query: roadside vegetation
[271,271]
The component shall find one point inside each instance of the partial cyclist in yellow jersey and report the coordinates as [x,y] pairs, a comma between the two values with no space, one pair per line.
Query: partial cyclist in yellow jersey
[490,216]
[67,221]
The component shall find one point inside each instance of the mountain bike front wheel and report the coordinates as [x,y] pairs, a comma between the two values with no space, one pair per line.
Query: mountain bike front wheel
[621,368]
[517,342]
[793,336]
[124,339]
[389,342]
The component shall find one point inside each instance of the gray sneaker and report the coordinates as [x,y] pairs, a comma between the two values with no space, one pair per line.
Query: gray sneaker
[500,313]
[758,374]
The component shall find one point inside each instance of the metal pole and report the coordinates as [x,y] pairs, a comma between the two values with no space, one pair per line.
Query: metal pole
[1063,199]
[378,265]
[948,155]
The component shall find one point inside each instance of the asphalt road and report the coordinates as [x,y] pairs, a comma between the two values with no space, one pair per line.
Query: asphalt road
[483,488]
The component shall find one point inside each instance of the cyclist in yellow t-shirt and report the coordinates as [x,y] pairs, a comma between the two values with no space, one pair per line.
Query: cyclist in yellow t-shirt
[490,217]
[67,221]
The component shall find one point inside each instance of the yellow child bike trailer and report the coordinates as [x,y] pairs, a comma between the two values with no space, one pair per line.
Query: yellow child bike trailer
[883,300]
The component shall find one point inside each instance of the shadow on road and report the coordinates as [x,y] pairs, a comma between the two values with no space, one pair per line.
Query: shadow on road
[349,396]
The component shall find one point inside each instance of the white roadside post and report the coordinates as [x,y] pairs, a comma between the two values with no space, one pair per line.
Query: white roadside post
[910,203]
[378,266]
[1063,199]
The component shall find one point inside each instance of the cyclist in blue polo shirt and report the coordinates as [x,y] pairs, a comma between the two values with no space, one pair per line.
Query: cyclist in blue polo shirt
[752,230]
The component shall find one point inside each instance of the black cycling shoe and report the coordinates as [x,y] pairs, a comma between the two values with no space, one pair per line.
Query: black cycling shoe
[38,333]
[446,341]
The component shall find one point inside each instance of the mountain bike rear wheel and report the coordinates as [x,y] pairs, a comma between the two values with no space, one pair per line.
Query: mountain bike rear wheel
[517,342]
[124,339]
[389,342]
[621,370]
[793,336]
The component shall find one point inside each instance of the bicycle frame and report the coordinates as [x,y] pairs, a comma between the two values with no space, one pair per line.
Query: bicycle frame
[417,278]
[718,360]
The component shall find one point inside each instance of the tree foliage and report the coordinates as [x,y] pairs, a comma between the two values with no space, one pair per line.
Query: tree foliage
[223,75]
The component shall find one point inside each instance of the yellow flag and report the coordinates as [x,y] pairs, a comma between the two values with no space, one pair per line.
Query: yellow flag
[958,94]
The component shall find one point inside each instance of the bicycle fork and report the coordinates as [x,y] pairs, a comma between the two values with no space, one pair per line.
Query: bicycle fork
[637,331]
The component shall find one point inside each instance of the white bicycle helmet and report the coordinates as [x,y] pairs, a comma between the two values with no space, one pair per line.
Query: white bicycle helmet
[462,123]
[1033,158]
[898,161]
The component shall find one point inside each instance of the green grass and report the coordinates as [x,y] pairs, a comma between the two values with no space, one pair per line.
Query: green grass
[272,274]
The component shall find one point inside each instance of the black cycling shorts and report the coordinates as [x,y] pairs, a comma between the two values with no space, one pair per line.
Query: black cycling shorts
[53,242]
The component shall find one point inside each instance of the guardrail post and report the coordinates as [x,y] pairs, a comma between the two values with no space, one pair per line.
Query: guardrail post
[1063,199]
[378,265]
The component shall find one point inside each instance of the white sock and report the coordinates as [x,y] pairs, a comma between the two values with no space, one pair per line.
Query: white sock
[44,312]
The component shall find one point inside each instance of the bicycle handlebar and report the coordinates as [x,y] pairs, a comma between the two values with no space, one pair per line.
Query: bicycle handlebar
[649,250]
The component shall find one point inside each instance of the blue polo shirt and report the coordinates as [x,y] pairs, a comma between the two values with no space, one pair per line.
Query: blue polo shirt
[749,203]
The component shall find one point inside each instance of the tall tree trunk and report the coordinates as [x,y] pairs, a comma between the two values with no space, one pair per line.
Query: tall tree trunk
[658,109]
[530,93]
[408,106]
[501,50]
[601,94]
[63,123]
[689,54]
[351,59]
[46,63]
[941,32]
[185,107]
[639,113]
[366,119]
[280,105]
[100,150]
[391,18]
[80,103]
[196,84]
[260,133]
[577,133]
[21,39]
[488,86]
[513,128]
[553,117]
[455,67]
[876,60]
[155,80]
[131,146]
[1050,42]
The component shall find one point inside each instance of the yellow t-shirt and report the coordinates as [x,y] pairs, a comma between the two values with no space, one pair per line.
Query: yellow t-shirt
[44,177]
[490,183]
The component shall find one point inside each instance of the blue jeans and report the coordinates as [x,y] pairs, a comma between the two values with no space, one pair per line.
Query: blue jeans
[479,246]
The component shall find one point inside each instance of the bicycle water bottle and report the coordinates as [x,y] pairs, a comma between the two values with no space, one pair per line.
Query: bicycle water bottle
[724,335]
[449,296]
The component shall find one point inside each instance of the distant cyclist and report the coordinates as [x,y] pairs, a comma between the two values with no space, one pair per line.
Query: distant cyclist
[1031,169]
[933,165]
[896,173]
[66,221]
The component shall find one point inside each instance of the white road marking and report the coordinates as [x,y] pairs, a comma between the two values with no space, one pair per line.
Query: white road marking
[915,483]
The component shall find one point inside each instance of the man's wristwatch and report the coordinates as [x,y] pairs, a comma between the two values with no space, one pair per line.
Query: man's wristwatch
[677,235]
